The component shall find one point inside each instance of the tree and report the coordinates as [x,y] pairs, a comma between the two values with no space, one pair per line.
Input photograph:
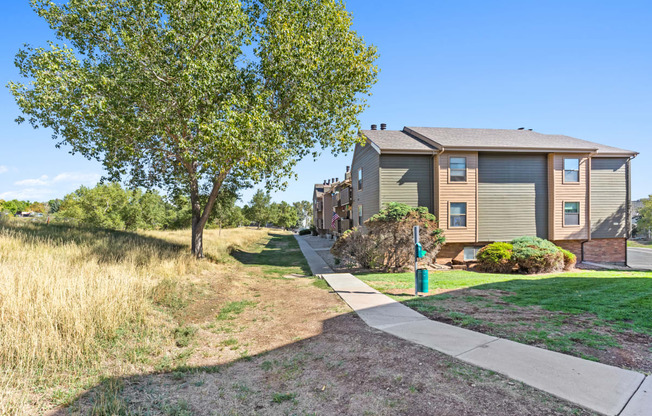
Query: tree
[259,210]
[287,216]
[191,95]
[644,221]
[304,211]
[54,205]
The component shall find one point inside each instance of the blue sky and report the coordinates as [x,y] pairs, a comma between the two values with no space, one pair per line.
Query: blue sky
[580,68]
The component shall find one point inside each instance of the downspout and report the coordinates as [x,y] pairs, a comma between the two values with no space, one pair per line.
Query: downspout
[588,205]
[628,206]
[435,196]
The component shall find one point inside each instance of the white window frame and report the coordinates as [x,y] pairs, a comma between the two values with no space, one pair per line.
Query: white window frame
[564,170]
[450,215]
[579,217]
[450,169]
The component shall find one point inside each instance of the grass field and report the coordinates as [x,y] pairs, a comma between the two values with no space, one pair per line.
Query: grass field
[79,304]
[640,244]
[600,315]
[97,322]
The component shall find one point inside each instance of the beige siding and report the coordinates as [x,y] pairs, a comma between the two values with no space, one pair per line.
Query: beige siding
[570,192]
[608,198]
[512,196]
[406,179]
[458,192]
[367,158]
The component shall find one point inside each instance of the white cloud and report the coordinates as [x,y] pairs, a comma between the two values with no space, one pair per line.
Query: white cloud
[42,181]
[65,177]
[77,177]
[3,169]
[30,194]
[46,187]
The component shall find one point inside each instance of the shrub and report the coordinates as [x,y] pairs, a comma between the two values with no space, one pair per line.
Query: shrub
[357,246]
[387,240]
[496,258]
[305,231]
[569,259]
[536,255]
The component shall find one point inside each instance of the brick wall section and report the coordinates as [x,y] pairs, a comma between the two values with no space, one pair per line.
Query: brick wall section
[603,250]
[606,250]
[599,250]
[574,246]
[450,252]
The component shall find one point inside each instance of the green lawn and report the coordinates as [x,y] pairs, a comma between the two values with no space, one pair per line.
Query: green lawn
[622,299]
[641,244]
[277,255]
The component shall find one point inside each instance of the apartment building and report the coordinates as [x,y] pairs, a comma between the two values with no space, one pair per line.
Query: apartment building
[487,185]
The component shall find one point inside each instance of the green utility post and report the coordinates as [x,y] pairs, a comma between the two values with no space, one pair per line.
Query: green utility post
[417,247]
[420,275]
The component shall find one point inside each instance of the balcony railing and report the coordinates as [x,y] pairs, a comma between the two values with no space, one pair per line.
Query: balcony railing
[345,197]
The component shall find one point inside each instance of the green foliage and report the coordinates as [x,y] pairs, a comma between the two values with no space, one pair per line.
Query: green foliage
[644,220]
[183,335]
[496,258]
[259,210]
[387,241]
[111,206]
[287,217]
[536,255]
[397,211]
[305,231]
[14,206]
[569,259]
[194,96]
[283,397]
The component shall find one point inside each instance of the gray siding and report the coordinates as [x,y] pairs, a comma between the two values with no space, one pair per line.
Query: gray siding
[512,196]
[608,198]
[406,179]
[367,158]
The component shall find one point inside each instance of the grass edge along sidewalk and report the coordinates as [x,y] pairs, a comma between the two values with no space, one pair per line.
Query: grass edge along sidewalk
[595,386]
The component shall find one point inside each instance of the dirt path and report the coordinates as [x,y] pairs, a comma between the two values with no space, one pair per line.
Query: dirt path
[290,346]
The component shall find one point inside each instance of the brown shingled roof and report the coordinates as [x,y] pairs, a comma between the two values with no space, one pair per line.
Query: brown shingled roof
[490,139]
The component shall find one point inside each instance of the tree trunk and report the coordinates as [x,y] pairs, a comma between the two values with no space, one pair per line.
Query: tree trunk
[197,237]
[197,245]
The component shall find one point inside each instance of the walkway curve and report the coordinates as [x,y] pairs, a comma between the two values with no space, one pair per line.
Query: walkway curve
[605,389]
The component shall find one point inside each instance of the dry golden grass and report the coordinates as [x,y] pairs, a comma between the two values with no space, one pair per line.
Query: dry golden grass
[71,297]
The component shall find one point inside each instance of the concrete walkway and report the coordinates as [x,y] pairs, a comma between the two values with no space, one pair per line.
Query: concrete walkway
[598,387]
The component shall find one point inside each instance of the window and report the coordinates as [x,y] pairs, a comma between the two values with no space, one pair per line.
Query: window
[571,170]
[571,213]
[470,253]
[360,179]
[457,169]
[359,214]
[458,214]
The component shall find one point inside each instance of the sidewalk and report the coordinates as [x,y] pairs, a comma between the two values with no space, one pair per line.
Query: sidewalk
[598,387]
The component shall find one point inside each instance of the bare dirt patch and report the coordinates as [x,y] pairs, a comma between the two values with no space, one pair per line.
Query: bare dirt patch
[286,346]
[582,335]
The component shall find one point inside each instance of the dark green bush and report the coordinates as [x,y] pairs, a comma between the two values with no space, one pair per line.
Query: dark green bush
[496,258]
[569,259]
[536,255]
[305,231]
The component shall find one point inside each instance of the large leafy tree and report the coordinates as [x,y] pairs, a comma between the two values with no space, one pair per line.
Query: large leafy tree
[195,94]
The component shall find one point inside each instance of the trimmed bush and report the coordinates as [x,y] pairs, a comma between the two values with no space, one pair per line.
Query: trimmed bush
[386,240]
[357,246]
[569,259]
[536,255]
[496,258]
[305,231]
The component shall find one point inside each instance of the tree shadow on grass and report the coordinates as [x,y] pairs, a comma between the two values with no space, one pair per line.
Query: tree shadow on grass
[282,250]
[345,368]
[106,246]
